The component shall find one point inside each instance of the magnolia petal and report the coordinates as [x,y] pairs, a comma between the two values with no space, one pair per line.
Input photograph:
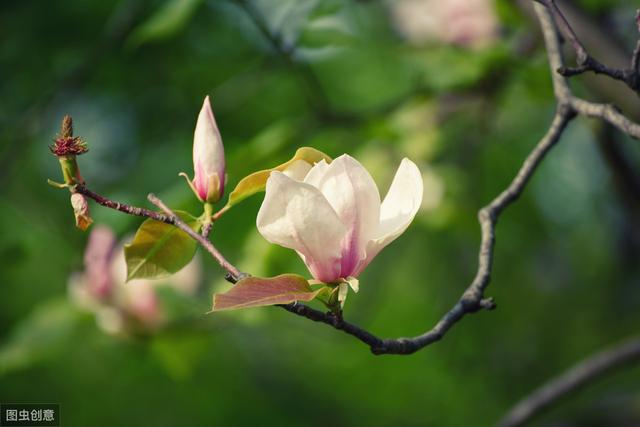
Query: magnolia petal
[298,170]
[354,196]
[316,173]
[297,216]
[354,283]
[208,153]
[343,292]
[398,209]
[214,187]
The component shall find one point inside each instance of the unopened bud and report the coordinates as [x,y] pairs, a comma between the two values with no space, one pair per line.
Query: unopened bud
[208,157]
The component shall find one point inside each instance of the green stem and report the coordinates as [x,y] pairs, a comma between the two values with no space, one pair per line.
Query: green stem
[208,213]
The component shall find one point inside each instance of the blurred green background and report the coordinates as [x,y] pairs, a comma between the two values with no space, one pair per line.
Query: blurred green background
[378,80]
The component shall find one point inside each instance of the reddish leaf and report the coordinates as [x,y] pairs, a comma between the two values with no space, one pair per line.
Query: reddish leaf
[257,292]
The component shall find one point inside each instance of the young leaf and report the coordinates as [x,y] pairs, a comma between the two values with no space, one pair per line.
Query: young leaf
[159,249]
[257,181]
[257,292]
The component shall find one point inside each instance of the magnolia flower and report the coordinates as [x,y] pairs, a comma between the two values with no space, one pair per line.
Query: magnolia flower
[122,306]
[468,23]
[208,157]
[332,216]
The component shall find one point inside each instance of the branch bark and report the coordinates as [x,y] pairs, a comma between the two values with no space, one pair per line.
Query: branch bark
[123,207]
[233,272]
[586,62]
[572,380]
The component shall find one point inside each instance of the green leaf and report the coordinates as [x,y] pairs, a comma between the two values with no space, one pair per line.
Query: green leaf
[160,250]
[258,292]
[165,22]
[257,181]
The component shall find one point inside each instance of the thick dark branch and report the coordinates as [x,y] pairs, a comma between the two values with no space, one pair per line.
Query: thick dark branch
[336,322]
[585,61]
[473,299]
[576,377]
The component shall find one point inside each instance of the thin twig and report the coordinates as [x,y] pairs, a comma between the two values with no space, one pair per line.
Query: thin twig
[123,207]
[573,379]
[206,230]
[609,114]
[234,273]
[606,112]
[585,61]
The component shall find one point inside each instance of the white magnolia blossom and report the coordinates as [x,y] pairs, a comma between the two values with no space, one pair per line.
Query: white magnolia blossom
[332,216]
[208,156]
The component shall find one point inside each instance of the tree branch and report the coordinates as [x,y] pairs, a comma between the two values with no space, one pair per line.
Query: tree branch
[123,207]
[571,380]
[606,361]
[234,273]
[586,62]
[472,299]
[609,114]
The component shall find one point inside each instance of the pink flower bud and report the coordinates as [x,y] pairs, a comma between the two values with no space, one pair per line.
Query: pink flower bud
[208,156]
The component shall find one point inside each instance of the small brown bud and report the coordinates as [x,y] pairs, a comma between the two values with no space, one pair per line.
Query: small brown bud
[81,211]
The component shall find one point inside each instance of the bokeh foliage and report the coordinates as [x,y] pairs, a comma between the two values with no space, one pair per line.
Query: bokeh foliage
[133,73]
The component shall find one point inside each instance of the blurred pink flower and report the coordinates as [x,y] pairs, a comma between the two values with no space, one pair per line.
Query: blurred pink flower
[120,306]
[468,23]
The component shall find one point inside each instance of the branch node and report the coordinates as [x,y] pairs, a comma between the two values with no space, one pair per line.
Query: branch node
[488,304]
[486,214]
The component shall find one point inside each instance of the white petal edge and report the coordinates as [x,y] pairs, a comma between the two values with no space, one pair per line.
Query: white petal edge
[398,209]
[297,216]
[316,173]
